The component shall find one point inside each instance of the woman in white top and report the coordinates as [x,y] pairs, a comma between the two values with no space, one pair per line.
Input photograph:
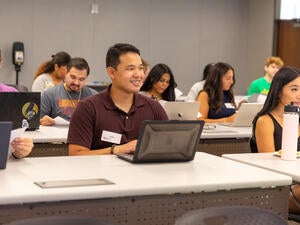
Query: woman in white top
[197,87]
[51,73]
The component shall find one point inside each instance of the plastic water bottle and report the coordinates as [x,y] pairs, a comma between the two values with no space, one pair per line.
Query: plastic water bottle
[289,144]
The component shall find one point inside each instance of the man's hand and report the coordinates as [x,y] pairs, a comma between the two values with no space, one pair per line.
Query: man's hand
[47,121]
[125,148]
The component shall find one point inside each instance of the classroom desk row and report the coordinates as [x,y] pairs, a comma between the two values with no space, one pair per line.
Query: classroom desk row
[135,193]
[50,141]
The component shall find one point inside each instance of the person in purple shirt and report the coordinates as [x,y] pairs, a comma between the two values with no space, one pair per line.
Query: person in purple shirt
[21,146]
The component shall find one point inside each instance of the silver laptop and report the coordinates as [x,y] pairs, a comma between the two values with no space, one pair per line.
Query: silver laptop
[182,110]
[5,129]
[166,141]
[246,114]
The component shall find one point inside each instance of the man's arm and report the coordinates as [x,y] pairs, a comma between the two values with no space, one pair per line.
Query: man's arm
[118,149]
[46,106]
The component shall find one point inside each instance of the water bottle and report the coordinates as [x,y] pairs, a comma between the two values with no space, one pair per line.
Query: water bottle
[289,144]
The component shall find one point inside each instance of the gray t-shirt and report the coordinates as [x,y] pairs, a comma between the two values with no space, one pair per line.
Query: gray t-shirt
[57,102]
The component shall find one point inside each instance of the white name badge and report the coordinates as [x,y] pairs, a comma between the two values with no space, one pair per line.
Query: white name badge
[111,137]
[229,106]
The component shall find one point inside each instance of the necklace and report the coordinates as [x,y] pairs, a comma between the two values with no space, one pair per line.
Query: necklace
[71,99]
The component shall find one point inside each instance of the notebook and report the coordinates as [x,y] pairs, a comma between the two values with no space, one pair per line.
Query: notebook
[22,108]
[246,114]
[166,141]
[5,128]
[182,110]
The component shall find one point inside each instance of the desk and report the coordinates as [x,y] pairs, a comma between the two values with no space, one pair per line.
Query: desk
[270,162]
[49,141]
[222,140]
[141,194]
[225,139]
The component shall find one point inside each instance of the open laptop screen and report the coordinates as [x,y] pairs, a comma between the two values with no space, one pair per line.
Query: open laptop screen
[5,128]
[167,141]
[182,110]
[20,108]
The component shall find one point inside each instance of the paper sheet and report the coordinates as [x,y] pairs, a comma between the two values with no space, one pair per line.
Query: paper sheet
[61,122]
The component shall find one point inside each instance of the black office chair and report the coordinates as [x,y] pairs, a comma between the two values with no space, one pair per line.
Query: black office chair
[61,220]
[233,215]
[20,88]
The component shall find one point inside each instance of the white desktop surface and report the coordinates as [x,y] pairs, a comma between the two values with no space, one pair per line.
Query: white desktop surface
[270,162]
[48,134]
[222,131]
[206,173]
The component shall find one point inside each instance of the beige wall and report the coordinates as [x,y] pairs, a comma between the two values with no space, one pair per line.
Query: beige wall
[185,34]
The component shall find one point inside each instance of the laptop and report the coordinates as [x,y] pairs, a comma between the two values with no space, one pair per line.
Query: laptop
[246,114]
[182,110]
[259,98]
[5,128]
[22,108]
[166,141]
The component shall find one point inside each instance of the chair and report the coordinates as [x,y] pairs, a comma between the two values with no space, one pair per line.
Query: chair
[61,220]
[20,88]
[235,215]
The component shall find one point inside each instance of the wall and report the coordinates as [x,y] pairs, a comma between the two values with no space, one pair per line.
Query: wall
[185,34]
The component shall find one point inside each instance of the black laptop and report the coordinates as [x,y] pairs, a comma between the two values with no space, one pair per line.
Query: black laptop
[22,108]
[5,128]
[166,141]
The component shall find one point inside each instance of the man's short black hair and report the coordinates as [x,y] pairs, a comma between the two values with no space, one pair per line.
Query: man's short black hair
[114,53]
[79,63]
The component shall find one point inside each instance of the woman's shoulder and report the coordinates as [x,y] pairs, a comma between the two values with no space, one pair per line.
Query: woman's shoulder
[264,120]
[44,76]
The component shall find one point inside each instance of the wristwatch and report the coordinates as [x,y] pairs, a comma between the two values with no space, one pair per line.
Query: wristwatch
[112,149]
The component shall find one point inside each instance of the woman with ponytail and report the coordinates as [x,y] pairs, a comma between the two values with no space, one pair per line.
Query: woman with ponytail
[51,73]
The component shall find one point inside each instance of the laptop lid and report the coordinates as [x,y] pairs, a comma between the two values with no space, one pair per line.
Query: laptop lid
[22,108]
[167,141]
[5,128]
[246,114]
[182,110]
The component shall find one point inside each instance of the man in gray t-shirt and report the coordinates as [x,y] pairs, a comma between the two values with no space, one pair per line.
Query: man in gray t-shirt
[62,100]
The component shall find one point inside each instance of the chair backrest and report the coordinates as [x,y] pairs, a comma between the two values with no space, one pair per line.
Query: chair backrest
[20,88]
[61,220]
[237,215]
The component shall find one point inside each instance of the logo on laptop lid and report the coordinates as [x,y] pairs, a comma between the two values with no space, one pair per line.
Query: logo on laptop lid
[30,110]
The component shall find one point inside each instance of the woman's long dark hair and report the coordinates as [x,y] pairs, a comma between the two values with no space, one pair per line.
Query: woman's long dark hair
[283,76]
[214,88]
[60,58]
[154,76]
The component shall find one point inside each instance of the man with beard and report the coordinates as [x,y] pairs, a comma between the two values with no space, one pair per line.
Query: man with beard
[62,100]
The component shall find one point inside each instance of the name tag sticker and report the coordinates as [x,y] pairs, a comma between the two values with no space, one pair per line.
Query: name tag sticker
[229,106]
[111,137]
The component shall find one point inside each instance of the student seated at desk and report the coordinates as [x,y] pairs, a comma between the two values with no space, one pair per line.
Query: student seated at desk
[262,85]
[197,87]
[61,100]
[160,83]
[217,103]
[109,122]
[267,125]
[51,73]
[21,146]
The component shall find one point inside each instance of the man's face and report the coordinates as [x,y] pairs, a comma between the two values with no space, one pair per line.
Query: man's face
[129,74]
[271,70]
[75,79]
